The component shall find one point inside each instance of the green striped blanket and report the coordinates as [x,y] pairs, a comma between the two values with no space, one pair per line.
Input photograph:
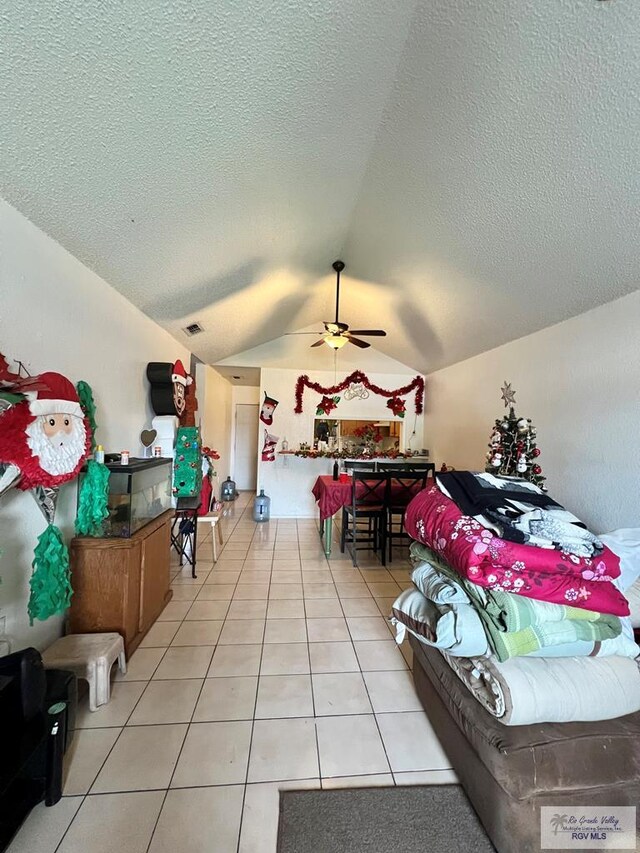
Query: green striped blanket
[517,625]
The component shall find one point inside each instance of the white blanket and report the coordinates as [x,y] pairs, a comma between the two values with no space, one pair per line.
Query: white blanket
[526,690]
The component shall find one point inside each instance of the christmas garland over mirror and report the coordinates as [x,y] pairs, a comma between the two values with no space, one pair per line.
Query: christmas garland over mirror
[416,385]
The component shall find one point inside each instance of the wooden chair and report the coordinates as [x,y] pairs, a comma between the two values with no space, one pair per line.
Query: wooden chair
[404,485]
[368,503]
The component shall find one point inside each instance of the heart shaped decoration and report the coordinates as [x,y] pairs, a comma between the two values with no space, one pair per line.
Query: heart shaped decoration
[148,436]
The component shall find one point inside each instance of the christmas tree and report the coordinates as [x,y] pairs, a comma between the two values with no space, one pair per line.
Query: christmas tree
[512,447]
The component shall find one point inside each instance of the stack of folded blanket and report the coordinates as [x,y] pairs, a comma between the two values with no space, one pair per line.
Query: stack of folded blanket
[521,598]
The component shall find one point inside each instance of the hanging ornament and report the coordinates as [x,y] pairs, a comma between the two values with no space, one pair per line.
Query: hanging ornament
[496,438]
[327,405]
[356,389]
[496,462]
[523,425]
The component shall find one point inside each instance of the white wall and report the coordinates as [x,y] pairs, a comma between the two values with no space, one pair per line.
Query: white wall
[214,394]
[579,381]
[58,315]
[288,480]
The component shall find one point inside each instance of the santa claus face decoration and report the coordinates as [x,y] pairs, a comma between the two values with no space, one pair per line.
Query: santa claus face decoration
[168,387]
[44,437]
[58,441]
[180,379]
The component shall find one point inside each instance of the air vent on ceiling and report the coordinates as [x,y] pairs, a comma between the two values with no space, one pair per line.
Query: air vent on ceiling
[193,329]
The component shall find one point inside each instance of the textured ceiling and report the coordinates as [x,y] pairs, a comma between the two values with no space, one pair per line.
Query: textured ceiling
[476,164]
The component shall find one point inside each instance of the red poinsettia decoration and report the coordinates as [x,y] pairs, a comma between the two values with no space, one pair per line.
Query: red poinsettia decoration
[368,433]
[397,406]
[209,453]
[327,405]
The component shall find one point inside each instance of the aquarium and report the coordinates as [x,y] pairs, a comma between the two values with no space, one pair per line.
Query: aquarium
[138,493]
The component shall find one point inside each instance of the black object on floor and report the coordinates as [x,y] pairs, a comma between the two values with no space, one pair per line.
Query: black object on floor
[37,720]
[430,818]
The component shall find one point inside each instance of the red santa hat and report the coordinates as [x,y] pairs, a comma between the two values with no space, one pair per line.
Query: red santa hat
[179,374]
[56,395]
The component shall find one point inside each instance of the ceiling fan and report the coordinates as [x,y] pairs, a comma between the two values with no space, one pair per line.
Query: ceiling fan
[337,334]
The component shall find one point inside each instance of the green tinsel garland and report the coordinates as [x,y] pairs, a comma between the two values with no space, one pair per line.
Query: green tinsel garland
[50,582]
[85,395]
[92,503]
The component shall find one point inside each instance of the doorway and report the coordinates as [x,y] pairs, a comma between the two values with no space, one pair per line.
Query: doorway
[246,446]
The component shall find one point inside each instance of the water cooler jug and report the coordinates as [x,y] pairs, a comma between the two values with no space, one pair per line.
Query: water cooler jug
[228,490]
[261,507]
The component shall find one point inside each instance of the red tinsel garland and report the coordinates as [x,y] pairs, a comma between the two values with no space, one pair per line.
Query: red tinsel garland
[416,384]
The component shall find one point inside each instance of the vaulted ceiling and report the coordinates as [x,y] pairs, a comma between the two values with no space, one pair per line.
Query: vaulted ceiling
[474,163]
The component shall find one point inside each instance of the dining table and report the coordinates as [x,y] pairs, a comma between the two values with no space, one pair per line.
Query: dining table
[331,495]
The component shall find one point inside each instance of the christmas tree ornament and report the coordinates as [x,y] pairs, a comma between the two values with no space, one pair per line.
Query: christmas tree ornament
[267,410]
[512,447]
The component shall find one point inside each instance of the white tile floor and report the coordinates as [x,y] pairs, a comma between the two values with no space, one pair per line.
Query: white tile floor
[274,669]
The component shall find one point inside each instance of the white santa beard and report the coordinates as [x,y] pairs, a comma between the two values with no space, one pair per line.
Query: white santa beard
[61,453]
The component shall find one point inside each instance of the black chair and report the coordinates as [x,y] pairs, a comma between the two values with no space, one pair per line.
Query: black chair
[404,485]
[407,465]
[368,503]
[360,466]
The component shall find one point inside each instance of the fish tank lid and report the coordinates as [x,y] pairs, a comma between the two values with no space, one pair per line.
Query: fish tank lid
[137,464]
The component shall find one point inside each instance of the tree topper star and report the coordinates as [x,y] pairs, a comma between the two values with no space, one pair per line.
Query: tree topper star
[508,394]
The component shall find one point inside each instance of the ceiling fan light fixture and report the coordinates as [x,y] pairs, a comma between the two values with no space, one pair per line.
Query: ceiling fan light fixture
[335,341]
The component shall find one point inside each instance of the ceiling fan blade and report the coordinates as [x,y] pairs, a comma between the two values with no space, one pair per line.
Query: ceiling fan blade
[304,333]
[318,343]
[379,333]
[358,342]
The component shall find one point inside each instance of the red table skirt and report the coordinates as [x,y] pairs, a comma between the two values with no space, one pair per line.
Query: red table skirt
[331,495]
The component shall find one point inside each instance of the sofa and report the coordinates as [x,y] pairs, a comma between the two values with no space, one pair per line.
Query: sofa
[509,772]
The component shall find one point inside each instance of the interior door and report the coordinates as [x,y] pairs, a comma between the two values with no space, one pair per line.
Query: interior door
[246,446]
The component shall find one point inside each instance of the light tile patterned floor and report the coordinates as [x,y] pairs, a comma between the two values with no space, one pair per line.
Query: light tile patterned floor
[274,669]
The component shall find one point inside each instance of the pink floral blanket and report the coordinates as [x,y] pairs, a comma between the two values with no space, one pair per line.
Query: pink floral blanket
[479,555]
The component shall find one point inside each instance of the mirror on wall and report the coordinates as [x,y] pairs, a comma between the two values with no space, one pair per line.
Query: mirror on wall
[354,435]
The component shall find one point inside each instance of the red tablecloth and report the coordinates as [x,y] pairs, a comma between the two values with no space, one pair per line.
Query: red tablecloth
[331,495]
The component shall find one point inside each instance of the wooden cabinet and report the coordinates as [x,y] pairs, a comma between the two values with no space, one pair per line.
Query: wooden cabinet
[121,584]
